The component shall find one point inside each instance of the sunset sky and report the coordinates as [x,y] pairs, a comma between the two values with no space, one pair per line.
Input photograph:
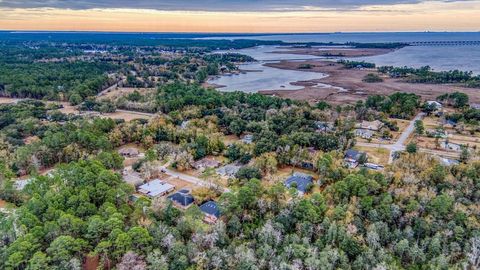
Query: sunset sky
[240,15]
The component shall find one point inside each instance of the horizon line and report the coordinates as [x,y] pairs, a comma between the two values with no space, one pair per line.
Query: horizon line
[229,33]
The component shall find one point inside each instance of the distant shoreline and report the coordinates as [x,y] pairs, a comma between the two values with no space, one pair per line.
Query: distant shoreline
[351,80]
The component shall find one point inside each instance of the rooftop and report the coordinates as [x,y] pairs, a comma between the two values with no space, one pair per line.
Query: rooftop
[182,197]
[352,154]
[301,180]
[155,188]
[210,208]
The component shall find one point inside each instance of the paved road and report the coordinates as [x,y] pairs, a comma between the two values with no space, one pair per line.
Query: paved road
[399,145]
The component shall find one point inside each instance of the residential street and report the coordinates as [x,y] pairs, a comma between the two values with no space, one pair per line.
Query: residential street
[191,179]
[399,145]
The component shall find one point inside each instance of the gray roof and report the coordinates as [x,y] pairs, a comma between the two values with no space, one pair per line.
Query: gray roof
[302,181]
[210,208]
[182,197]
[229,170]
[352,154]
[155,188]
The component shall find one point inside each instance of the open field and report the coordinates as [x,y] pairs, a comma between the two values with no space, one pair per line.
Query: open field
[375,155]
[346,86]
[178,183]
[123,91]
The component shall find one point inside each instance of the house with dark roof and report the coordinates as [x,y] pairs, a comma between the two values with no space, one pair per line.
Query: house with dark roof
[182,198]
[211,211]
[352,158]
[300,181]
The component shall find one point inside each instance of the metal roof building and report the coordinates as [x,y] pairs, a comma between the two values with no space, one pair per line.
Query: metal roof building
[156,188]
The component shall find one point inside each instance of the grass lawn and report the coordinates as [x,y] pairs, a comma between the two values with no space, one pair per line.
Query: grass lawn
[375,155]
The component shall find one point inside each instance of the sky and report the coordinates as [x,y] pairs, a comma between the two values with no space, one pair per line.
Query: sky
[246,16]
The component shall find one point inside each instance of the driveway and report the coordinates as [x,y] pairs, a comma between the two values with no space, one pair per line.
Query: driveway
[399,145]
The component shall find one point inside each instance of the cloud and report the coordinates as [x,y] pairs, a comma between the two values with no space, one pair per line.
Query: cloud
[210,5]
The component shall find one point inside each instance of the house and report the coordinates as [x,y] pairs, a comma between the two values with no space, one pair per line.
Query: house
[451,146]
[129,152]
[206,163]
[437,133]
[370,125]
[300,181]
[434,104]
[229,170]
[156,188]
[364,133]
[352,158]
[182,199]
[211,211]
[247,139]
[449,123]
[475,106]
[324,126]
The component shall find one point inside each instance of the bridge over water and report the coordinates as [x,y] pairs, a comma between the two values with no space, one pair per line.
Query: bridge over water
[446,43]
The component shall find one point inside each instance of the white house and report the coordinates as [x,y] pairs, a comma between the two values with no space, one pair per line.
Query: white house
[370,125]
[156,188]
[437,105]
